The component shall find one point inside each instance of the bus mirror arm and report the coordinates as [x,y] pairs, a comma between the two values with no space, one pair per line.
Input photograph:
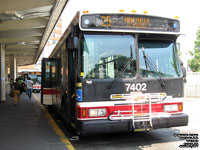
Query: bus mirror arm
[72,43]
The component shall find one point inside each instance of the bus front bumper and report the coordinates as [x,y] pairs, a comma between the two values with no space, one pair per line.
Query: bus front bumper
[85,127]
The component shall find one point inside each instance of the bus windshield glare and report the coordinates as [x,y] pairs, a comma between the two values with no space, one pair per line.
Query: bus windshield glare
[113,56]
[162,57]
[108,56]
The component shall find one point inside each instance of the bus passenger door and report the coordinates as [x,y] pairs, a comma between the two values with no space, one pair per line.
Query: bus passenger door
[50,80]
[71,104]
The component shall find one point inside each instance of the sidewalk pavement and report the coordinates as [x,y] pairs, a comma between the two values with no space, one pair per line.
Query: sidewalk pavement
[26,127]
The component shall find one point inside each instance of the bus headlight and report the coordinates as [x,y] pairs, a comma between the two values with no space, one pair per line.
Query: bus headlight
[97,112]
[168,108]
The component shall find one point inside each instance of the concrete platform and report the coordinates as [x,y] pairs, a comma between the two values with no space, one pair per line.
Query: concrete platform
[28,127]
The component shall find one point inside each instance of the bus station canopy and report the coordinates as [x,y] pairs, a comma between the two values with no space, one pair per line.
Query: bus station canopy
[25,26]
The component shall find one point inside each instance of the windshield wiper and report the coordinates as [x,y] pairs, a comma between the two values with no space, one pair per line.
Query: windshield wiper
[145,57]
[128,63]
[152,66]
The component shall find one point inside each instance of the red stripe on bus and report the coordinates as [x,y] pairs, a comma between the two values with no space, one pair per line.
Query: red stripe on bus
[47,91]
[123,109]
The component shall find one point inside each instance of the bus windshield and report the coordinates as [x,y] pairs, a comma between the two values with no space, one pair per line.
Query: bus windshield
[108,56]
[162,57]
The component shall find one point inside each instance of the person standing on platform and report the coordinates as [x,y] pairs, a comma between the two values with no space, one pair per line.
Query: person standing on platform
[29,86]
[16,91]
[21,82]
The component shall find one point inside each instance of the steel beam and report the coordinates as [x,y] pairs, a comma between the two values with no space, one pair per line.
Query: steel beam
[21,33]
[27,46]
[19,5]
[24,24]
[20,39]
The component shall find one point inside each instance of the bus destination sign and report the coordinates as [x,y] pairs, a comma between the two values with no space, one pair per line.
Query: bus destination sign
[129,22]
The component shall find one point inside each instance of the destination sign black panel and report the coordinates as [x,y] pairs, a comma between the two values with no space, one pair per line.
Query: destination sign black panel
[129,22]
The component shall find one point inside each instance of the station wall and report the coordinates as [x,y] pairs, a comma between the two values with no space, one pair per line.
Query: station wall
[192,86]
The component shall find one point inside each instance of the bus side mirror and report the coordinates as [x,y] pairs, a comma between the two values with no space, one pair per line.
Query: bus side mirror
[183,70]
[72,43]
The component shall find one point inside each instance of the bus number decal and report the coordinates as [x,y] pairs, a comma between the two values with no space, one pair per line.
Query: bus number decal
[136,87]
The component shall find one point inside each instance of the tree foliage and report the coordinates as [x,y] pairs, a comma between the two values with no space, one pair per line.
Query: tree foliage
[194,63]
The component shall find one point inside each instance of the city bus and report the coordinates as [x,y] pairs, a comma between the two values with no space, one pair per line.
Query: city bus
[34,75]
[116,72]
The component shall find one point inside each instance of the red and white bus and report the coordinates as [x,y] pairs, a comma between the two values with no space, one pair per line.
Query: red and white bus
[116,72]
